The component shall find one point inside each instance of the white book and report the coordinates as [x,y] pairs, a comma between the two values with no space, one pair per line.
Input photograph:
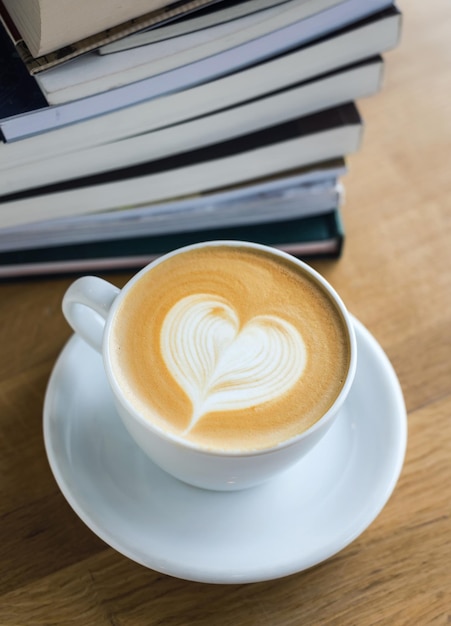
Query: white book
[287,197]
[252,37]
[218,15]
[306,141]
[341,87]
[305,237]
[61,26]
[364,40]
[287,70]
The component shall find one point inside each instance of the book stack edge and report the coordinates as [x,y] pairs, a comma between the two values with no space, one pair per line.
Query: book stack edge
[233,121]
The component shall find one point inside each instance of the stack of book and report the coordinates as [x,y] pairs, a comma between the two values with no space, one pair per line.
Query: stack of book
[127,132]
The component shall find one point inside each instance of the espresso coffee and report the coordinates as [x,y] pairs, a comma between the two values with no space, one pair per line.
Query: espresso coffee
[230,348]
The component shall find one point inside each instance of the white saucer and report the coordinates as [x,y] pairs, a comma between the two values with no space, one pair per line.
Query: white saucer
[295,521]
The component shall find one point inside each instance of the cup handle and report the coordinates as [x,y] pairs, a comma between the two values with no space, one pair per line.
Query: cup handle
[86,305]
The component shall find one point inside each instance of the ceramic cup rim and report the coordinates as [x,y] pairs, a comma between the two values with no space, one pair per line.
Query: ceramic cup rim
[218,452]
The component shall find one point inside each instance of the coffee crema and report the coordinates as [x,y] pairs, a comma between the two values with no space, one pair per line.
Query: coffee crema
[230,348]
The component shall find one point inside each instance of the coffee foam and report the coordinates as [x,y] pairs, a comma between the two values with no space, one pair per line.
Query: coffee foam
[223,366]
[229,348]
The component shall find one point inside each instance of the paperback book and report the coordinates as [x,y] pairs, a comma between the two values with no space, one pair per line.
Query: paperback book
[318,236]
[23,166]
[44,37]
[215,83]
[301,142]
[242,42]
[298,193]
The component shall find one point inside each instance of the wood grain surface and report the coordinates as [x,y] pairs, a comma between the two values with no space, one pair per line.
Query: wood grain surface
[395,276]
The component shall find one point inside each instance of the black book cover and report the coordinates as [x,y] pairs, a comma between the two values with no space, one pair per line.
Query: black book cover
[19,92]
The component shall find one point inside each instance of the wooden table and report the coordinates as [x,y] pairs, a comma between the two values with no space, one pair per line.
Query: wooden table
[395,276]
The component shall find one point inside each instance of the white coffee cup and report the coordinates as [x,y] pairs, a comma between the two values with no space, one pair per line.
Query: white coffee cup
[91,306]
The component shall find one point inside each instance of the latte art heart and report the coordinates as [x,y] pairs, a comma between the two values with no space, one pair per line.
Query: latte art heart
[223,366]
